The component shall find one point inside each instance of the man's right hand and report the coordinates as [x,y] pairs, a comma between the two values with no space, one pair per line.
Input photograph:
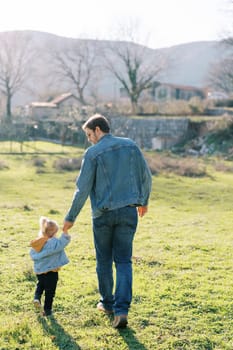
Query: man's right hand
[142,210]
[66,226]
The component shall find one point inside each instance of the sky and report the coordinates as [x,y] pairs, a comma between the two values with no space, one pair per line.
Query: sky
[160,23]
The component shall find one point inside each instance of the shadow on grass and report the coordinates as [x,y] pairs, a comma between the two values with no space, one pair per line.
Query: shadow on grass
[128,335]
[57,334]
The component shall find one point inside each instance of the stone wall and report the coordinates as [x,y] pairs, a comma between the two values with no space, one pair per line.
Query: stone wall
[152,133]
[149,133]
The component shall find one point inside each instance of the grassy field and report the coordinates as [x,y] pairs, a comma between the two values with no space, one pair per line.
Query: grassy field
[183,264]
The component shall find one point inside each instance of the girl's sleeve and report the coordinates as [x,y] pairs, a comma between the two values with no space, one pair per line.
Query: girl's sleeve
[52,246]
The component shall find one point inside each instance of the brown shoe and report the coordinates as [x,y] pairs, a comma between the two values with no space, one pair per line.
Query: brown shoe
[100,307]
[37,304]
[47,313]
[120,321]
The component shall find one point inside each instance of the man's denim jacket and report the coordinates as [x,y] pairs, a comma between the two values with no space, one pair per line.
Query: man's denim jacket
[115,174]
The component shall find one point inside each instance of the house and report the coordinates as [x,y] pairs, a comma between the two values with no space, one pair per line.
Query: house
[163,92]
[60,105]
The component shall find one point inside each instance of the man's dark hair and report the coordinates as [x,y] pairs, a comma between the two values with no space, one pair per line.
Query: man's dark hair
[97,120]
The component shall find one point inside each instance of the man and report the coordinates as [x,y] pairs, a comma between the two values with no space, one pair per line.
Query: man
[116,176]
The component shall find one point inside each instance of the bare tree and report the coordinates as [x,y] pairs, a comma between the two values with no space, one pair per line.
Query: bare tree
[16,56]
[229,37]
[76,65]
[135,66]
[221,74]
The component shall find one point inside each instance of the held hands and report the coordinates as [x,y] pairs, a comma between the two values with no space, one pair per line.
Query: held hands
[66,226]
[142,211]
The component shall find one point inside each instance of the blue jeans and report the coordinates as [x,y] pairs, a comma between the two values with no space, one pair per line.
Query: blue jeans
[113,237]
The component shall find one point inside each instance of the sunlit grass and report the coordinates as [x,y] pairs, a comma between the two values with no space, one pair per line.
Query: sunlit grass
[183,265]
[35,146]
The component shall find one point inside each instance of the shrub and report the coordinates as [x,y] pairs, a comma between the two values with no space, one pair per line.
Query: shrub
[174,107]
[184,166]
[221,136]
[224,103]
[27,208]
[54,211]
[38,162]
[69,164]
[221,166]
[197,105]
[3,165]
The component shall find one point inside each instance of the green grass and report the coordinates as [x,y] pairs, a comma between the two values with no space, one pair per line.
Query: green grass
[34,146]
[183,265]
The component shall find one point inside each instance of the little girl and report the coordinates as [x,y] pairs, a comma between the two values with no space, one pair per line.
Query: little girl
[48,255]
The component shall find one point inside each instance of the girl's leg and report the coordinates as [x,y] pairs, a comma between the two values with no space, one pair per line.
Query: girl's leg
[50,280]
[39,287]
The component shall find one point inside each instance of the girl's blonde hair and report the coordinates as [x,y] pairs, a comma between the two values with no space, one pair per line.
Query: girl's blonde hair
[48,227]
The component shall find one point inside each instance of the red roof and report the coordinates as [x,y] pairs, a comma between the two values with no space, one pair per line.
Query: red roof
[61,98]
